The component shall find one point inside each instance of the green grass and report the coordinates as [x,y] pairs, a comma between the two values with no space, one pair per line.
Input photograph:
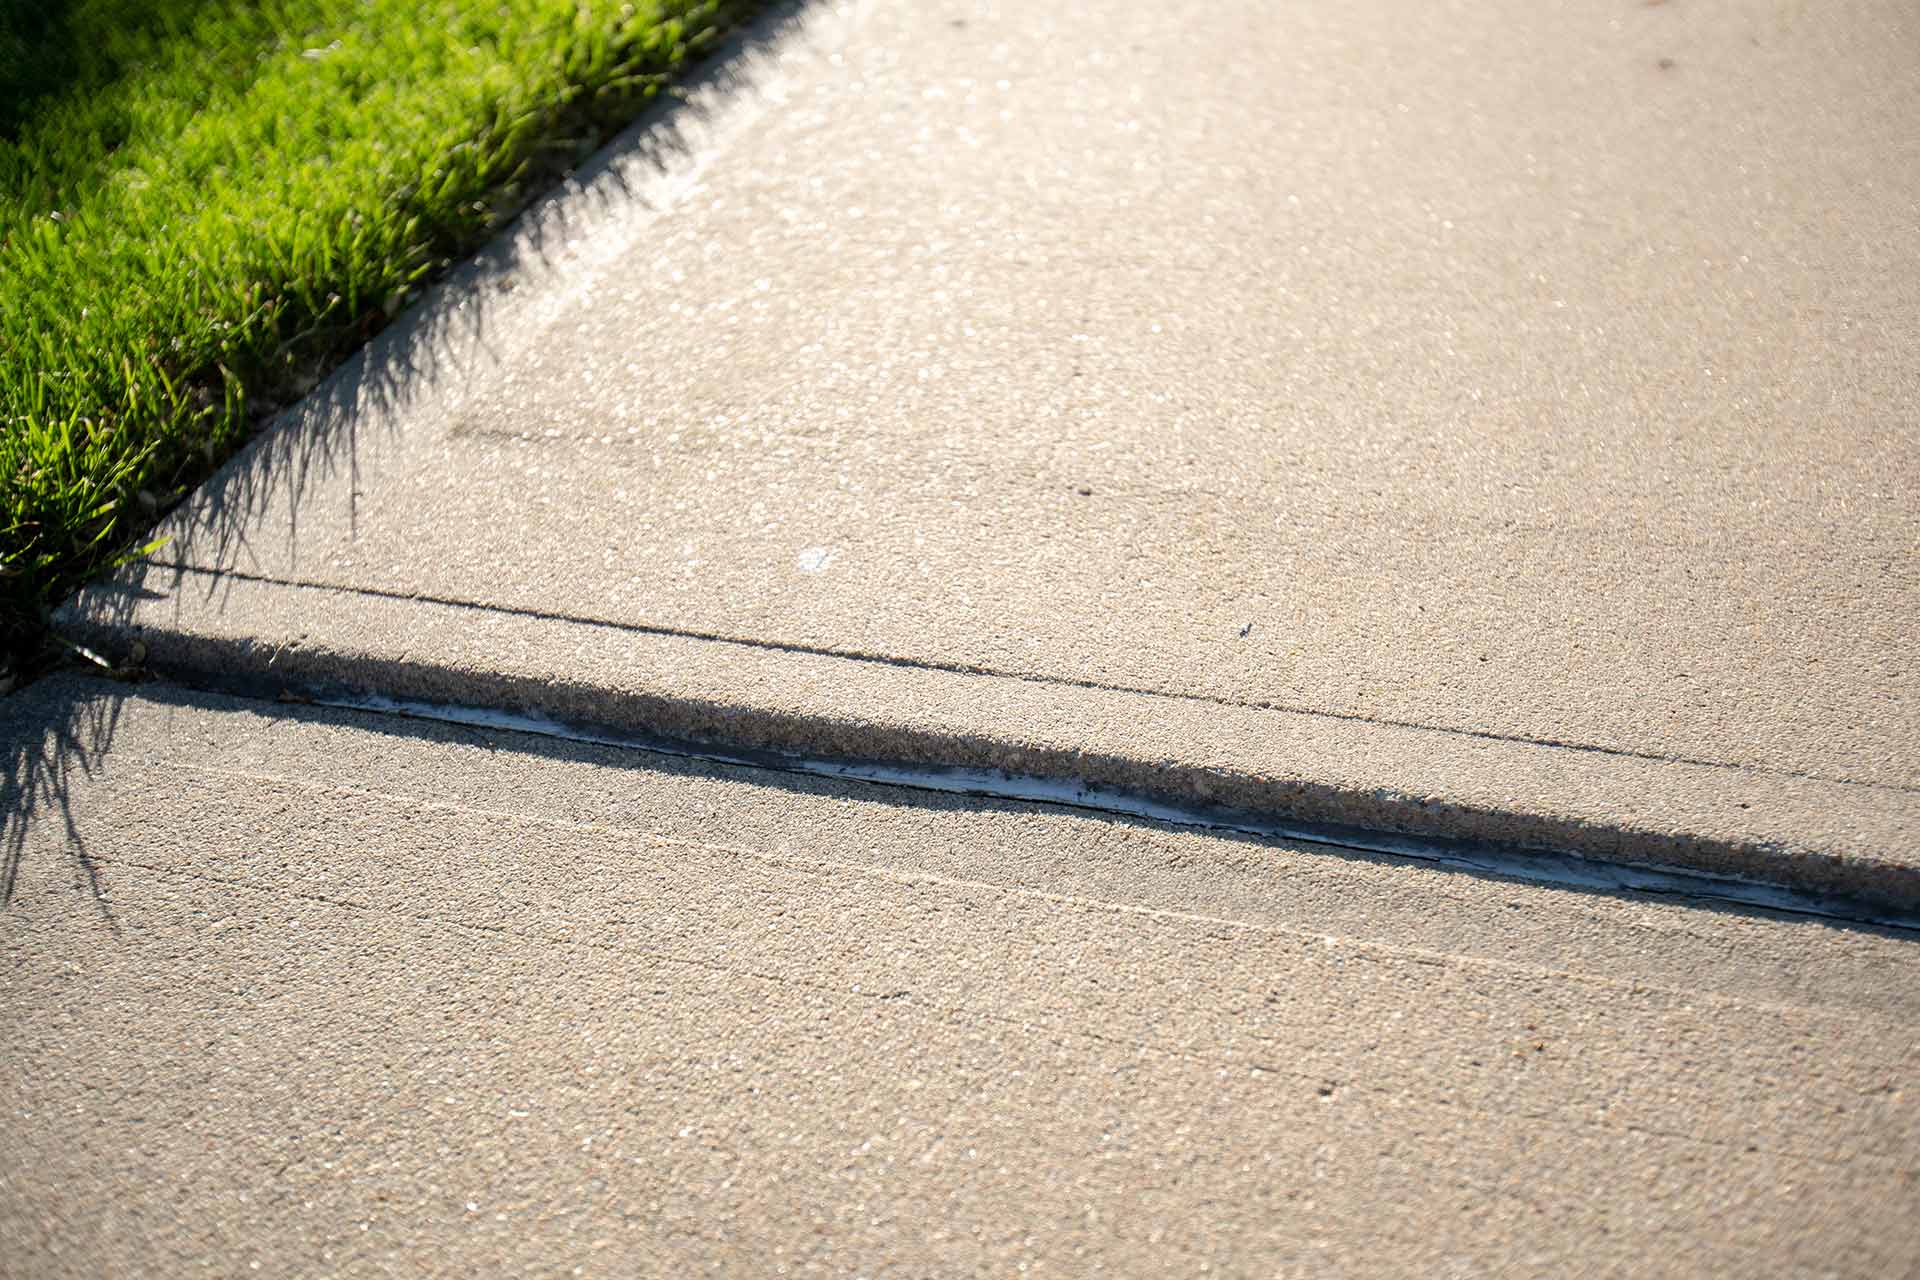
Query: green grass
[203,202]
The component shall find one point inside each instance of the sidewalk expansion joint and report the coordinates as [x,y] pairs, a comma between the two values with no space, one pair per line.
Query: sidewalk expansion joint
[1478,857]
[1603,821]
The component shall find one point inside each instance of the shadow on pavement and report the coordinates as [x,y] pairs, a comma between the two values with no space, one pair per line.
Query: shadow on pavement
[50,744]
[442,342]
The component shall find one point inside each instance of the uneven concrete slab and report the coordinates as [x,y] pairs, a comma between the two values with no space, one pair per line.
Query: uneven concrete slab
[327,991]
[1494,420]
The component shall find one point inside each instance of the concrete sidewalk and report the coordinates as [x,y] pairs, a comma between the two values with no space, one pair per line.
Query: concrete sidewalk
[340,994]
[1492,421]
[1492,424]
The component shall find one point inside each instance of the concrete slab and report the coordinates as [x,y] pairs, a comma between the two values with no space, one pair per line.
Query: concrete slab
[1496,420]
[326,991]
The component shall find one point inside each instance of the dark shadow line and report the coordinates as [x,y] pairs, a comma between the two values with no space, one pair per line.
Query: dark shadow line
[716,726]
[648,753]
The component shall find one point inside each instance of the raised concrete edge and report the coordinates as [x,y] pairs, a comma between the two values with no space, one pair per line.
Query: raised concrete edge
[277,639]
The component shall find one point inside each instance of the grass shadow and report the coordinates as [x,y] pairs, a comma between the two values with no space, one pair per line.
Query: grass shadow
[51,742]
[445,341]
[381,354]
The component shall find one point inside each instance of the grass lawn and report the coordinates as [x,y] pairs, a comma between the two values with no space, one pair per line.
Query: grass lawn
[204,202]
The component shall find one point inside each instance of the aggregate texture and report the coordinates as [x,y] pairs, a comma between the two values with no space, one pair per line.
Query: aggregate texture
[1495,420]
[335,993]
